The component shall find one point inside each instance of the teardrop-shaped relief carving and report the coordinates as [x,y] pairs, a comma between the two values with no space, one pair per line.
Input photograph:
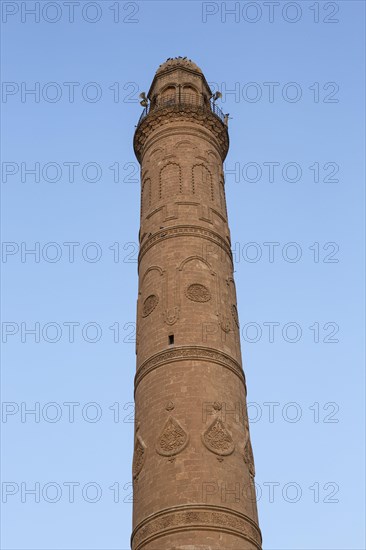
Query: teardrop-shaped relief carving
[249,458]
[173,438]
[234,311]
[218,439]
[139,456]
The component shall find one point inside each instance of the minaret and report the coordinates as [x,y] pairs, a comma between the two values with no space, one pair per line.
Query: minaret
[193,469]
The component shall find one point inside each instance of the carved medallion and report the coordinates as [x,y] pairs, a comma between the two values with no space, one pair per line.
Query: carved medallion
[173,439]
[217,438]
[234,311]
[198,293]
[149,304]
[139,456]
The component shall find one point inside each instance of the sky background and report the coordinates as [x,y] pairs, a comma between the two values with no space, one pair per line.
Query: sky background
[305,380]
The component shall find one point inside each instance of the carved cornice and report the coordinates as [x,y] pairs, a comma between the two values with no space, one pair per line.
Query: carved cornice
[185,231]
[176,113]
[187,353]
[195,516]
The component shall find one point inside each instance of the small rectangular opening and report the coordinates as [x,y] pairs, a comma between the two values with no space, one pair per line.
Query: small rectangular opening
[171,339]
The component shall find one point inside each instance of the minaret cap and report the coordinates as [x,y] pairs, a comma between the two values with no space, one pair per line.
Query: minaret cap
[175,63]
[178,62]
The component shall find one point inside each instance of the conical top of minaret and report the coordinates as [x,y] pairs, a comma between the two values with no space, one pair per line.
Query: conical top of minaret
[178,62]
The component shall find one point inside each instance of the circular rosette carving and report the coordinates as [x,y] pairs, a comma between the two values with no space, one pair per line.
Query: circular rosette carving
[149,304]
[234,311]
[173,438]
[139,456]
[218,439]
[198,293]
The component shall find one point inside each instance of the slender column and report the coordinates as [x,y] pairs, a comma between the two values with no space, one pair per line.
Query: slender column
[193,468]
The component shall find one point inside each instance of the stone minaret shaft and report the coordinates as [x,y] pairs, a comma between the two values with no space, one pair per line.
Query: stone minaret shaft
[193,469]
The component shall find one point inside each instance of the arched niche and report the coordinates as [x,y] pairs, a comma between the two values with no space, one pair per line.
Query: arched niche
[145,196]
[167,95]
[150,292]
[190,95]
[170,180]
[202,182]
[197,286]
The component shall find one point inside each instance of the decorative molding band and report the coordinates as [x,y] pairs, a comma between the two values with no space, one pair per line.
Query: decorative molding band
[185,231]
[187,353]
[195,517]
[191,113]
[219,215]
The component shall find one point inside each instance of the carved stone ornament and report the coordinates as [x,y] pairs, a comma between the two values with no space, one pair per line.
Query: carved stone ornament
[171,316]
[173,439]
[225,324]
[217,438]
[198,293]
[149,304]
[249,458]
[234,311]
[188,518]
[195,353]
[139,456]
[186,231]
[169,406]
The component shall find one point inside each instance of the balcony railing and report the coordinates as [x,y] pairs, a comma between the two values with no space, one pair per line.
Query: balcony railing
[183,99]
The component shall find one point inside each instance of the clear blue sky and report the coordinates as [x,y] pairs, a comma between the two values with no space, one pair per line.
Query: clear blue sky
[310,123]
